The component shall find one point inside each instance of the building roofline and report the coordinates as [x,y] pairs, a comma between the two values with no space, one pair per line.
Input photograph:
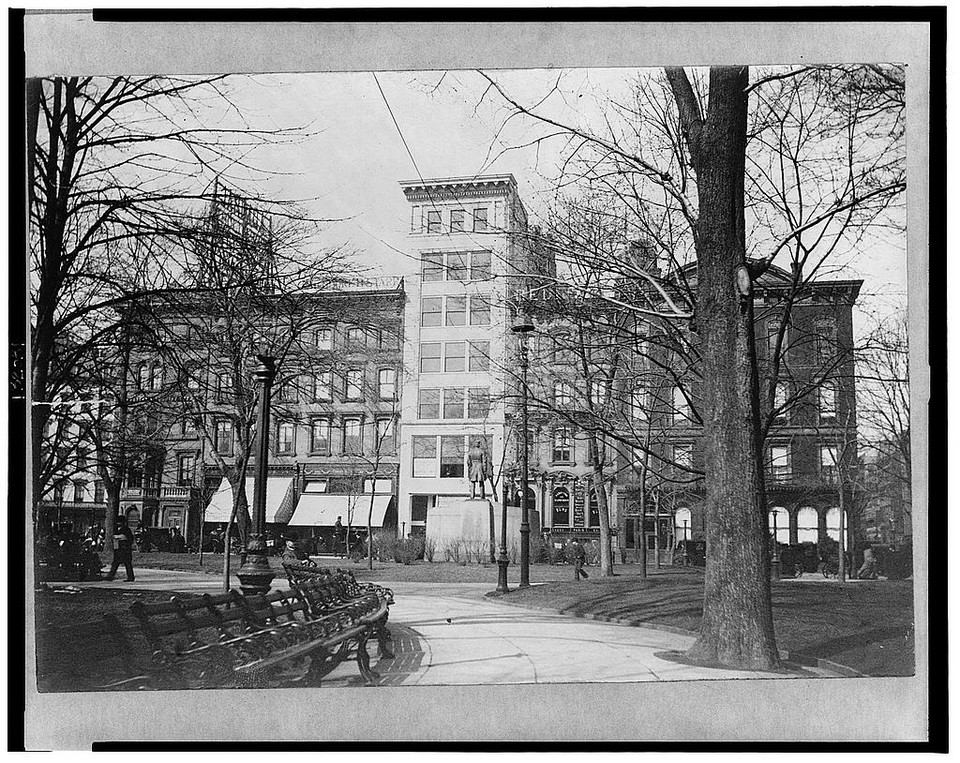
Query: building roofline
[507,178]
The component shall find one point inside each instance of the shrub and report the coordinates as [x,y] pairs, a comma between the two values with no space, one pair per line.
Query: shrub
[409,550]
[429,548]
[385,546]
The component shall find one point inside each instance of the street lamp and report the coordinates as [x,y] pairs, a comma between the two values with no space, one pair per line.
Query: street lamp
[775,561]
[255,573]
[522,326]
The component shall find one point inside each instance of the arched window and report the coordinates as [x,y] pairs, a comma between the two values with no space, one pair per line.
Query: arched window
[782,523]
[594,520]
[561,506]
[833,524]
[807,525]
[683,522]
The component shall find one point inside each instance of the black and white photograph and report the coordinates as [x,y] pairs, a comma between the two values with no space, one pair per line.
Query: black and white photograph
[474,398]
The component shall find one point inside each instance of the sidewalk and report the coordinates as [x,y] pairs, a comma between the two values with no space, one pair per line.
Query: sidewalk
[450,634]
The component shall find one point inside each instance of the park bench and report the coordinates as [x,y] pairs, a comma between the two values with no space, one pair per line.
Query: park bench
[90,656]
[232,640]
[334,592]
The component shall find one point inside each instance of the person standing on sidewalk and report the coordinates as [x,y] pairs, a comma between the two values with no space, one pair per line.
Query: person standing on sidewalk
[579,560]
[122,549]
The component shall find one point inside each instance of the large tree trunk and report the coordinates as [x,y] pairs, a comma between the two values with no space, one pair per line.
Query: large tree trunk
[737,625]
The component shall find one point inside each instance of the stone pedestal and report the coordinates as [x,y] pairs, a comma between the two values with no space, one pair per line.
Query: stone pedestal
[468,520]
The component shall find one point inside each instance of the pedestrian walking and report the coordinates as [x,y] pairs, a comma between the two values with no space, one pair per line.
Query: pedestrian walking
[339,538]
[122,549]
[579,560]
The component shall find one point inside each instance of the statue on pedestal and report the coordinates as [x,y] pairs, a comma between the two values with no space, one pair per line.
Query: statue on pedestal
[478,469]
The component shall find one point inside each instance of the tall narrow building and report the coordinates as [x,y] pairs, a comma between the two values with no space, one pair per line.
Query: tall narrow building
[467,236]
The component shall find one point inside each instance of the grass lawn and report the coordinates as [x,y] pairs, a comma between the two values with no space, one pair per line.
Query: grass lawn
[865,625]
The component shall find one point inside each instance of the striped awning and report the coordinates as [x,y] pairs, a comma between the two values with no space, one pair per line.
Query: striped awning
[316,510]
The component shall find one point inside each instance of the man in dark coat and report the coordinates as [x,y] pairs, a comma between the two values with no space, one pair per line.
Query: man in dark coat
[122,549]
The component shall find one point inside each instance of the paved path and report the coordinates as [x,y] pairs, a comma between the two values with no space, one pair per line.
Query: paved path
[450,634]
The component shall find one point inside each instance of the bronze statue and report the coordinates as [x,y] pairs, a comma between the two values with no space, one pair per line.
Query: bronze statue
[478,469]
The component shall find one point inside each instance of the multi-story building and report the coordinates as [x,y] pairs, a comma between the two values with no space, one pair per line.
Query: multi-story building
[384,390]
[466,235]
[808,408]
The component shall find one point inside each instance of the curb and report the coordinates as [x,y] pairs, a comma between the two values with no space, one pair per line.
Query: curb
[844,671]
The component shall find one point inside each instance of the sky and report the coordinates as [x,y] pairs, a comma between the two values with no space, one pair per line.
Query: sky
[348,167]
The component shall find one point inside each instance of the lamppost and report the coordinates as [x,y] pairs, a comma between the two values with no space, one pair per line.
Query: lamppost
[255,573]
[503,561]
[775,561]
[686,555]
[523,326]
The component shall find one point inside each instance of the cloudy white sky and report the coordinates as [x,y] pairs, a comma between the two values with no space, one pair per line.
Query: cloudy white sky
[350,164]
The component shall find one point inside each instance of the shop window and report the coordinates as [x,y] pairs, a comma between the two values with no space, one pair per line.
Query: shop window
[561,506]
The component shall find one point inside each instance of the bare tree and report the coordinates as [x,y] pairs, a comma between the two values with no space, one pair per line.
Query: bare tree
[116,167]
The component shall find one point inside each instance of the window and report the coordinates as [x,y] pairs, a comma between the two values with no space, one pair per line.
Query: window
[354,389]
[386,437]
[828,463]
[156,376]
[224,388]
[143,376]
[315,486]
[355,337]
[598,391]
[188,427]
[193,374]
[480,219]
[387,384]
[480,266]
[780,396]
[429,407]
[454,356]
[323,386]
[424,456]
[562,445]
[562,350]
[431,311]
[457,266]
[224,437]
[323,338]
[478,403]
[78,492]
[453,403]
[681,407]
[432,266]
[456,311]
[352,437]
[593,517]
[826,340]
[430,357]
[456,220]
[562,393]
[808,525]
[827,402]
[98,492]
[479,356]
[780,462]
[638,402]
[186,469]
[285,437]
[561,506]
[683,456]
[433,221]
[288,391]
[479,311]
[419,504]
[452,453]
[320,436]
[773,333]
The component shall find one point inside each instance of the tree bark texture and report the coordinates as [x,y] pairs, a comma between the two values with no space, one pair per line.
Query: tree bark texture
[737,625]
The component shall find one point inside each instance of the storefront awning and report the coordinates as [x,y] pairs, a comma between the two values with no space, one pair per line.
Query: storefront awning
[221,505]
[322,510]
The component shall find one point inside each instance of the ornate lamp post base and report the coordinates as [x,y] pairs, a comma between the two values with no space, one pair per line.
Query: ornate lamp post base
[255,573]
[503,562]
